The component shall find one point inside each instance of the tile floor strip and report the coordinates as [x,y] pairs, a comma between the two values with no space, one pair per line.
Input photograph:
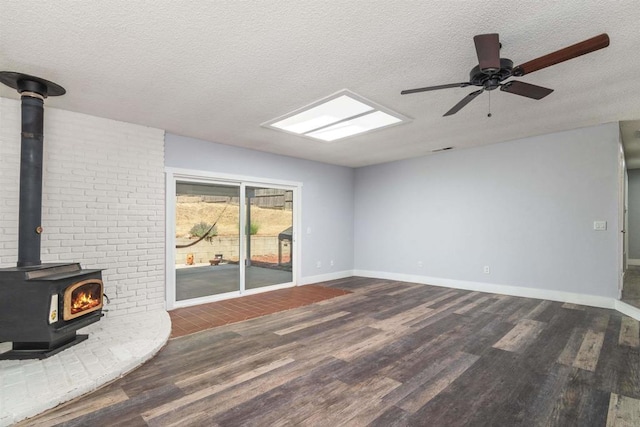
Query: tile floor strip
[189,320]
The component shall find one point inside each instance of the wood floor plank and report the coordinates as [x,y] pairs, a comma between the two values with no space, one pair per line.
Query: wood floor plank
[296,397]
[433,348]
[234,397]
[331,340]
[623,411]
[472,305]
[403,318]
[473,395]
[161,370]
[579,404]
[442,297]
[392,417]
[523,334]
[398,305]
[125,413]
[313,322]
[620,372]
[538,380]
[193,419]
[598,321]
[568,355]
[516,309]
[492,329]
[228,371]
[384,358]
[618,369]
[525,306]
[572,306]
[378,287]
[403,288]
[423,394]
[552,341]
[274,321]
[267,409]
[358,349]
[537,310]
[630,332]
[587,357]
[442,311]
[216,388]
[552,309]
[499,303]
[360,403]
[306,410]
[544,399]
[69,412]
[370,392]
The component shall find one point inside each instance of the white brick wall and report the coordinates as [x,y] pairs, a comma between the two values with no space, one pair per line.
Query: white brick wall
[103,201]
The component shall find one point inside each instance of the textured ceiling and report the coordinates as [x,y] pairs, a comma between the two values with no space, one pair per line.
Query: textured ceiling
[217,69]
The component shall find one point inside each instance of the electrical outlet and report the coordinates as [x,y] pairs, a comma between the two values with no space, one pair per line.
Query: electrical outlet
[420,264]
[600,225]
[487,270]
[318,264]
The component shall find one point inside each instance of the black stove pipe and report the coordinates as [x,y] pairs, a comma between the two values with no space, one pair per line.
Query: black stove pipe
[33,91]
[29,225]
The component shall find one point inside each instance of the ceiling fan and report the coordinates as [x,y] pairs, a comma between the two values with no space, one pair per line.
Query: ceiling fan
[492,71]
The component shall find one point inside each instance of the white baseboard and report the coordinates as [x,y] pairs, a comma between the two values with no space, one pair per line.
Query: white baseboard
[326,277]
[633,261]
[628,310]
[547,294]
[517,291]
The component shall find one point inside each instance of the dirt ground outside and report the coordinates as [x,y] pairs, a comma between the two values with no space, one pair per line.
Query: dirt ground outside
[270,222]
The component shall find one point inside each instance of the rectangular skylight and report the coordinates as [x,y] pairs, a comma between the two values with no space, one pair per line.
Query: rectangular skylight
[324,114]
[355,126]
[338,116]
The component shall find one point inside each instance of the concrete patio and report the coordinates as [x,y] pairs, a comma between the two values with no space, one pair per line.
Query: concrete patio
[200,281]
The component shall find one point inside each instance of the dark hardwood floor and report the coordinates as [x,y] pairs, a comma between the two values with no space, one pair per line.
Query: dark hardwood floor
[388,354]
[631,288]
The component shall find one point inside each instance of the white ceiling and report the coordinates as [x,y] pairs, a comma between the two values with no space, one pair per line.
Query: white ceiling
[217,69]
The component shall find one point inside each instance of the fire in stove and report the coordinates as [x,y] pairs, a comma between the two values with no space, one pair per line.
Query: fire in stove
[83,302]
[82,298]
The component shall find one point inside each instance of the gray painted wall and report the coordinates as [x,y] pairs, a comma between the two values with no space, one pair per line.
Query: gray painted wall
[327,194]
[525,208]
[633,227]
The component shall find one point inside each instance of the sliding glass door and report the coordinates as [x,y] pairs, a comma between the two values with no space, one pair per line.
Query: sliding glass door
[269,236]
[228,238]
[207,249]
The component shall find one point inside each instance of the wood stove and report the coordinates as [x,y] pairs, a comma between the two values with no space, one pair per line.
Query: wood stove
[41,308]
[41,305]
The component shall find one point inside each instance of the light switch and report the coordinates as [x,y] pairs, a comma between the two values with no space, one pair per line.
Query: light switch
[600,225]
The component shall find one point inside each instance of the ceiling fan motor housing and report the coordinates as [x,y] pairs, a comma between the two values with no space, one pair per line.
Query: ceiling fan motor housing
[492,80]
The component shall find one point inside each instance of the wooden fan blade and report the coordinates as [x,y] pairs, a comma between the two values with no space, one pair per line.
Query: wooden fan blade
[591,45]
[425,89]
[525,89]
[488,50]
[467,99]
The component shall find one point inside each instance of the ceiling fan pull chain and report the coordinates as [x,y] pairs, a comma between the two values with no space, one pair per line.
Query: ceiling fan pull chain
[489,115]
